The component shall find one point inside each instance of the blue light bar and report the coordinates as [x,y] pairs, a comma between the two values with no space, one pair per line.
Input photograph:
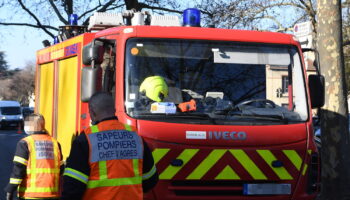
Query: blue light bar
[73,19]
[55,40]
[192,17]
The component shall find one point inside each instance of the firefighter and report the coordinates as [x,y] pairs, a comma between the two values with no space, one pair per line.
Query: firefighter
[37,163]
[108,160]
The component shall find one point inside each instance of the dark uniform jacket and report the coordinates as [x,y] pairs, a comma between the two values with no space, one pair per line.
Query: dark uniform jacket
[79,160]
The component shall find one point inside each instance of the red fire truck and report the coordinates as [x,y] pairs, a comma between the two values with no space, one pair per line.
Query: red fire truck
[236,122]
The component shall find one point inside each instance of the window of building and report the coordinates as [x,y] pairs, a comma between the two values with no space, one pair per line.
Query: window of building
[285,84]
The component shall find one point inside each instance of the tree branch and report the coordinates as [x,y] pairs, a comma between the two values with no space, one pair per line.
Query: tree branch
[142,5]
[58,12]
[30,25]
[36,19]
[88,11]
[346,43]
[104,7]
[310,11]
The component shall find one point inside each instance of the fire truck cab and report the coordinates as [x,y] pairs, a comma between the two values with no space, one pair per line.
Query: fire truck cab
[236,122]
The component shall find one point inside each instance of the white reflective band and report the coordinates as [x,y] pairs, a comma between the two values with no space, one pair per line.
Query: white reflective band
[149,174]
[20,160]
[15,181]
[266,189]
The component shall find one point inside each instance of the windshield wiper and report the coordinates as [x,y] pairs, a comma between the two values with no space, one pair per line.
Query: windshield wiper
[201,116]
[261,116]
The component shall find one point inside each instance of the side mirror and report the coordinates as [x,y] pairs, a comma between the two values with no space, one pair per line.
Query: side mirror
[93,53]
[317,90]
[90,77]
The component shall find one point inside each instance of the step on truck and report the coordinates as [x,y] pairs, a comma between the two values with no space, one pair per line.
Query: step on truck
[231,112]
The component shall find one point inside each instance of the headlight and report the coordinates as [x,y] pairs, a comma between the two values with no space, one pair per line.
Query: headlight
[21,117]
[2,117]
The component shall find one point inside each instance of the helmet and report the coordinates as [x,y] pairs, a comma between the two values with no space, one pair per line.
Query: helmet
[155,88]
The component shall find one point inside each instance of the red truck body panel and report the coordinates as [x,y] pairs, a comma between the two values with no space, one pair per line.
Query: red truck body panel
[218,166]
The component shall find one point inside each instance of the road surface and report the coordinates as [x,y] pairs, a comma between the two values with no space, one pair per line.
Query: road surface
[8,142]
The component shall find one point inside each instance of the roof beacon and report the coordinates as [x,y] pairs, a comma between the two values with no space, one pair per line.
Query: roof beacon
[192,17]
[73,19]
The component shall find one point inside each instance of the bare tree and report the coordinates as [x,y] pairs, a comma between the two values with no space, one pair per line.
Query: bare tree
[334,115]
[3,65]
[20,86]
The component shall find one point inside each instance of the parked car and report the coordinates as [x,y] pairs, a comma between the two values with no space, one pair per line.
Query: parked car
[27,111]
[10,114]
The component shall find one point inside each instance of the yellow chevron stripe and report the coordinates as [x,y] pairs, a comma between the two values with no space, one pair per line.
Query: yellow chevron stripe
[309,151]
[159,154]
[294,157]
[207,164]
[248,164]
[227,174]
[304,169]
[171,171]
[281,172]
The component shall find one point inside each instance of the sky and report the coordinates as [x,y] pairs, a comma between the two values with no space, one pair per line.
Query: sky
[18,42]
[20,45]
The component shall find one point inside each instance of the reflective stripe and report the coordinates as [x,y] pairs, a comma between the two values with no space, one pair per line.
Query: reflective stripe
[114,182]
[104,181]
[20,160]
[306,166]
[38,189]
[76,175]
[135,164]
[185,156]
[227,174]
[294,157]
[15,181]
[102,168]
[94,129]
[32,161]
[304,169]
[206,164]
[248,164]
[127,127]
[281,172]
[149,174]
[159,154]
[56,161]
[43,170]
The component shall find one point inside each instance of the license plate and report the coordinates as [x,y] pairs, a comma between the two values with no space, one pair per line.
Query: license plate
[266,189]
[13,124]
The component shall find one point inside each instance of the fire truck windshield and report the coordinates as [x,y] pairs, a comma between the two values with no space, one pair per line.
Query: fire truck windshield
[214,81]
